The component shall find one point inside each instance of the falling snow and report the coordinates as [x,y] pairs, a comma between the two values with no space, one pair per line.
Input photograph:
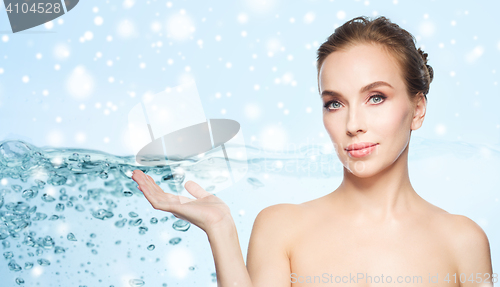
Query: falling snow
[254,62]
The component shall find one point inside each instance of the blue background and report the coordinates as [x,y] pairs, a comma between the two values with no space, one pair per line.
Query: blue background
[72,82]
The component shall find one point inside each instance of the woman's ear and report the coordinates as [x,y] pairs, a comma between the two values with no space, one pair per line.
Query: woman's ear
[419,112]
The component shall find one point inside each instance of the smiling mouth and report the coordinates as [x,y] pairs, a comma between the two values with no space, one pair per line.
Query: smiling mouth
[359,146]
[361,150]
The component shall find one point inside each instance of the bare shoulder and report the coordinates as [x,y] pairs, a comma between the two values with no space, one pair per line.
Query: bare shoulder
[277,226]
[279,210]
[461,229]
[467,241]
[279,217]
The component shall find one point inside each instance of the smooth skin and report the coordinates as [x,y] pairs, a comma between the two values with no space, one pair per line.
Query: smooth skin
[374,224]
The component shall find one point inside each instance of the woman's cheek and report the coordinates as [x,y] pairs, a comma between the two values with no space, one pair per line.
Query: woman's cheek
[390,120]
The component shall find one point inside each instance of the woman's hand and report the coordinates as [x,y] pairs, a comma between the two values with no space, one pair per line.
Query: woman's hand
[206,211]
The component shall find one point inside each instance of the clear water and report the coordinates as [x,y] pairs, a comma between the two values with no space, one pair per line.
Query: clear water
[59,204]
[74,216]
[55,202]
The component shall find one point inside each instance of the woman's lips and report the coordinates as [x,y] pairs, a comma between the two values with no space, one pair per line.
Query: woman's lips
[361,149]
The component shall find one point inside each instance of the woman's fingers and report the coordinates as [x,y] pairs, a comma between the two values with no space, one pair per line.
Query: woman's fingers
[166,201]
[154,194]
[195,189]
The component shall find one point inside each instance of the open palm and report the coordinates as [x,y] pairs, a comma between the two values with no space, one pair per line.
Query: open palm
[206,211]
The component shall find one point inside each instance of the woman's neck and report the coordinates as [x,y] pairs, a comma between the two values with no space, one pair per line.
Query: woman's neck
[380,197]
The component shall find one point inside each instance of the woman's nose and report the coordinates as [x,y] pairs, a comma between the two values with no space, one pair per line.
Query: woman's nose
[355,123]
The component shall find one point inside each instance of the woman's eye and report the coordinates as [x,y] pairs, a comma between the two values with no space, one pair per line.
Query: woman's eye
[377,98]
[332,105]
[335,105]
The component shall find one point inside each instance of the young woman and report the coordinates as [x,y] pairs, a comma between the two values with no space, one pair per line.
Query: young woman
[374,229]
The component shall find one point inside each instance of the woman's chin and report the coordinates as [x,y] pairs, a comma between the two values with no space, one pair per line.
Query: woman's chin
[361,169]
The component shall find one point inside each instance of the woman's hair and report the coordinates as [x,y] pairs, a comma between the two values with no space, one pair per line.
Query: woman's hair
[401,44]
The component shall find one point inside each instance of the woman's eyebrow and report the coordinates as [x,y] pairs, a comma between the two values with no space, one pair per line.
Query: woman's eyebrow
[362,90]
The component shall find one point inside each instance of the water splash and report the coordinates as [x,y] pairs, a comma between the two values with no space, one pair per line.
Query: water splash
[39,186]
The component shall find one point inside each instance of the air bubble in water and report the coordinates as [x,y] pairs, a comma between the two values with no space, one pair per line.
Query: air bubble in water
[19,207]
[4,233]
[39,216]
[136,282]
[120,223]
[175,240]
[73,157]
[19,280]
[54,217]
[181,225]
[30,193]
[136,222]
[13,266]
[43,262]
[60,207]
[57,180]
[47,198]
[102,214]
[8,255]
[48,242]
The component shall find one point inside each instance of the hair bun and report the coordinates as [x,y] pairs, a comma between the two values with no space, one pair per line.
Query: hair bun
[428,67]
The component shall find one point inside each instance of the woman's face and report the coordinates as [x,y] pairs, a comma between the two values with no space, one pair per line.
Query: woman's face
[366,102]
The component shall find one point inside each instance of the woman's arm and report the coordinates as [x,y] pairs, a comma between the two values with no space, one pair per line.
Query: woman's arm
[268,257]
[229,264]
[268,263]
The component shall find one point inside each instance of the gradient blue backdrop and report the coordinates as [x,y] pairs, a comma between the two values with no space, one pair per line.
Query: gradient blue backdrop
[71,83]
